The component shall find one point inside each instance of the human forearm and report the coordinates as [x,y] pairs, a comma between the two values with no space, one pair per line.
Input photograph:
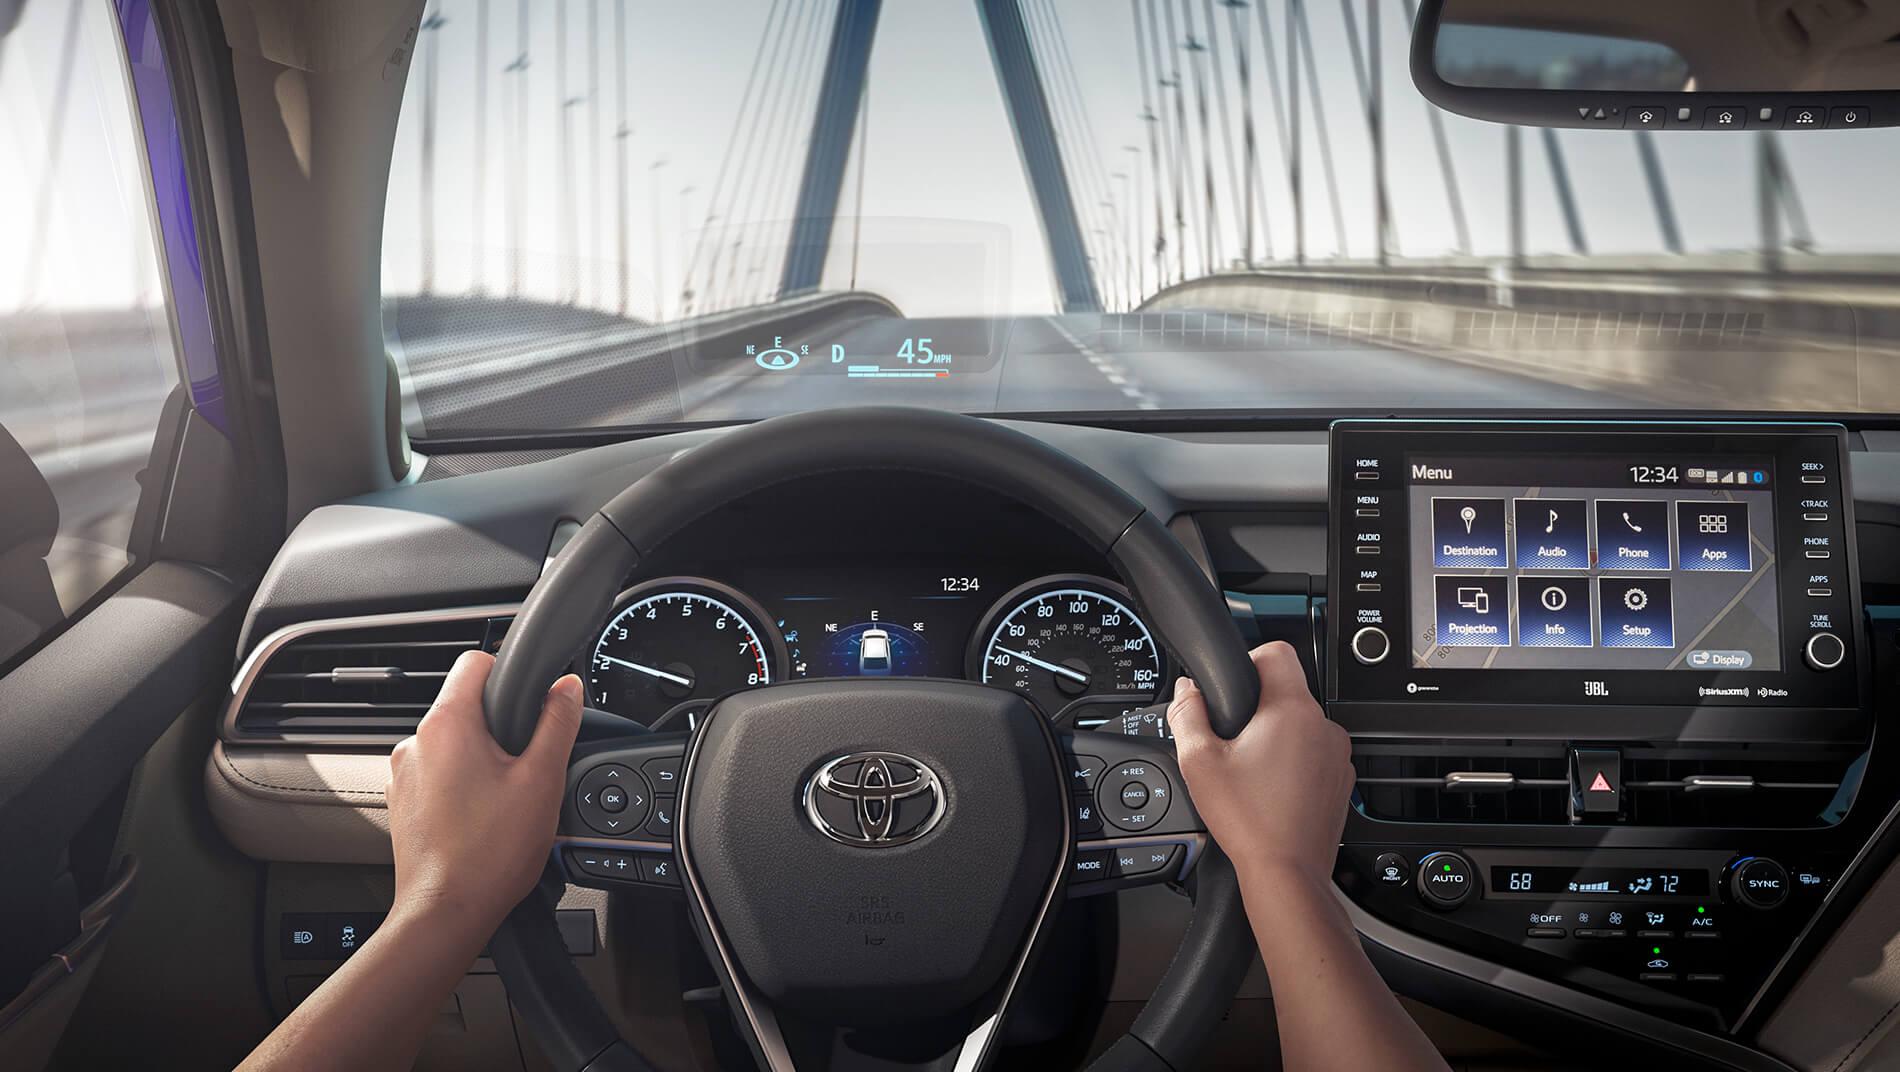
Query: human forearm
[1333,1009]
[374,1011]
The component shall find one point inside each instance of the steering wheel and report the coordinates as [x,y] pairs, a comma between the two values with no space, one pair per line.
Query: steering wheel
[869,862]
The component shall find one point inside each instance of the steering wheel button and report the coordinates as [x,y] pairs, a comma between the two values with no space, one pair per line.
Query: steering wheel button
[1134,795]
[1083,770]
[612,799]
[1087,819]
[663,772]
[1144,861]
[604,863]
[659,870]
[1091,866]
[661,824]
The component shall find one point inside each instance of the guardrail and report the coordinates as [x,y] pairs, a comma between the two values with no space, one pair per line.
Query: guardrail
[1696,336]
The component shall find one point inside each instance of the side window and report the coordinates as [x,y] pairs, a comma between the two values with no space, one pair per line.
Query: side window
[86,346]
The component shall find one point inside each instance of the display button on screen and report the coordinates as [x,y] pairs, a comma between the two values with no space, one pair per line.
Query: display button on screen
[1552,533]
[1468,532]
[1473,612]
[1712,535]
[1636,612]
[1633,534]
[1553,612]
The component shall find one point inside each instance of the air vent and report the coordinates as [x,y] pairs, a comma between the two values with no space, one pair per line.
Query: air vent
[1446,783]
[358,680]
[1716,786]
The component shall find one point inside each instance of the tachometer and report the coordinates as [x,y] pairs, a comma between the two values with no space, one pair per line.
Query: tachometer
[680,640]
[1061,639]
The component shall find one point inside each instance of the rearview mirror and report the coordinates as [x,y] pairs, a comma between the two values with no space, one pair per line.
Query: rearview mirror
[1662,64]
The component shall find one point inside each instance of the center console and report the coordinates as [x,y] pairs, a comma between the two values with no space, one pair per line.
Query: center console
[1609,690]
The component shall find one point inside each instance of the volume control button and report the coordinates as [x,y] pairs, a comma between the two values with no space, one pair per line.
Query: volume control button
[1370,645]
[1824,651]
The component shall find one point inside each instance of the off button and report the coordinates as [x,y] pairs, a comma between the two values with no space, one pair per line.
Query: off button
[1445,880]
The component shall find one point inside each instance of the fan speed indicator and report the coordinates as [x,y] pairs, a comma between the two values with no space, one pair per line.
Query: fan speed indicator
[1059,640]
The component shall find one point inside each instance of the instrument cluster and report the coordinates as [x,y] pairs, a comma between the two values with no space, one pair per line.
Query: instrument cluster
[1072,643]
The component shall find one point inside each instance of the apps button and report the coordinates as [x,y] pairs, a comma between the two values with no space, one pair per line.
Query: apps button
[1551,533]
[1712,535]
[1553,612]
[1473,612]
[1632,534]
[1636,612]
[1468,532]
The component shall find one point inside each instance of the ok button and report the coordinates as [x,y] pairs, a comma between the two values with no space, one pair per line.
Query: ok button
[1134,795]
[613,799]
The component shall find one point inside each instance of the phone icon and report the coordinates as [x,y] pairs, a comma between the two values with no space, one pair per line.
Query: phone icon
[1634,527]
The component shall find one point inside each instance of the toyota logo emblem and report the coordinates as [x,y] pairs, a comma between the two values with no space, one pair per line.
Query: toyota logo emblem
[874,799]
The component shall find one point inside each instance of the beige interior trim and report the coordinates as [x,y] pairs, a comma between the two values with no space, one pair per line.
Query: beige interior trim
[304,807]
[1839,1016]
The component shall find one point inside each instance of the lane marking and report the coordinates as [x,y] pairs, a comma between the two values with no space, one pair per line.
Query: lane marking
[1112,370]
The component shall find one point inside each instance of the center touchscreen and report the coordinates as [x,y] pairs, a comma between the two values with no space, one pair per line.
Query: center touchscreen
[1602,562]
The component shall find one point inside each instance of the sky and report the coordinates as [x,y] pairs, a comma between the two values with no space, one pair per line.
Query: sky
[944,223]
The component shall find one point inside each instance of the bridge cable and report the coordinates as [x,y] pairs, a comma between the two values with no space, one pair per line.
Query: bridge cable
[1366,69]
[730,241]
[1236,192]
[1566,197]
[1319,121]
[804,87]
[732,141]
[1445,168]
[1149,118]
[1171,143]
[1210,214]
[1190,222]
[1087,149]
[746,196]
[1253,193]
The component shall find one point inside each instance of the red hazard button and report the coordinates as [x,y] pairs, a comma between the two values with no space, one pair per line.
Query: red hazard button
[1596,780]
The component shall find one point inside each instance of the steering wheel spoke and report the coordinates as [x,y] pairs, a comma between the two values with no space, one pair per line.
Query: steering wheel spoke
[616,829]
[1134,824]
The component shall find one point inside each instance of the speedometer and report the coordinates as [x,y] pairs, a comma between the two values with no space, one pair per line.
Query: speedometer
[1062,639]
[680,641]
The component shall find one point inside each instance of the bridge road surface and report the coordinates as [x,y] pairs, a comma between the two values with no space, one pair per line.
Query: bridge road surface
[1080,362]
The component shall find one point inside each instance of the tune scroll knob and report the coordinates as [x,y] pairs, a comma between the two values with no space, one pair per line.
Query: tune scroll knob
[1370,645]
[1824,651]
[1758,882]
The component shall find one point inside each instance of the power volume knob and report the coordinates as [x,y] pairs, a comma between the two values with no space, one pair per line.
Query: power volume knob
[1757,882]
[1370,645]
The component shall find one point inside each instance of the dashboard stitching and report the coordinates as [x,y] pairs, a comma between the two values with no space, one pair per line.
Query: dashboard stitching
[1849,1055]
[373,797]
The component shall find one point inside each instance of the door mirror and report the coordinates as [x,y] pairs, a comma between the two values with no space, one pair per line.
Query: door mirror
[1643,64]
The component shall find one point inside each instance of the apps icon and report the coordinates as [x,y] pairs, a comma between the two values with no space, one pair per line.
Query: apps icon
[1468,532]
[1636,612]
[1551,533]
[1553,612]
[1632,534]
[1472,612]
[1712,535]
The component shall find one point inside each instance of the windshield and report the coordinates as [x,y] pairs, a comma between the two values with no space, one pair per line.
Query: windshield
[604,214]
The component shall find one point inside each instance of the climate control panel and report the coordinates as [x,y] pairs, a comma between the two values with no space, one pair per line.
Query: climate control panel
[1691,934]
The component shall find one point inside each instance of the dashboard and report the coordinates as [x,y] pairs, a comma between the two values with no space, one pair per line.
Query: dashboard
[1072,643]
[1611,686]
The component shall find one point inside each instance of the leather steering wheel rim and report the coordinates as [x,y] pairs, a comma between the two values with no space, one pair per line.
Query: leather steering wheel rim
[1184,611]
